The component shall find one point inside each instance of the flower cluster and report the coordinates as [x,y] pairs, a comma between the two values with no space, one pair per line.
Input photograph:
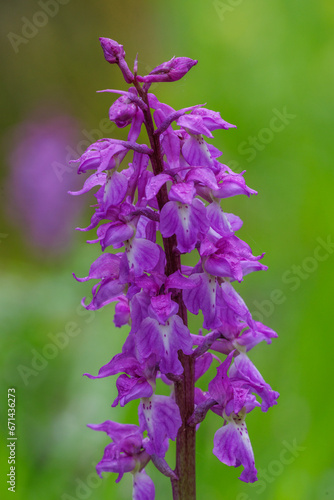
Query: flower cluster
[155,203]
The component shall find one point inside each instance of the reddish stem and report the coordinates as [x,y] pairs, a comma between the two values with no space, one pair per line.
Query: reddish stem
[184,488]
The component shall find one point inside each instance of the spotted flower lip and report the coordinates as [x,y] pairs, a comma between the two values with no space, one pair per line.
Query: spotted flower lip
[232,446]
[160,417]
[153,205]
[143,486]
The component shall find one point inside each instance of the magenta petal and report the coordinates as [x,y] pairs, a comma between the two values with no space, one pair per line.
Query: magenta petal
[135,128]
[207,248]
[183,192]
[148,339]
[203,297]
[115,190]
[220,387]
[232,447]
[143,486]
[233,185]
[142,255]
[241,396]
[120,363]
[160,416]
[192,222]
[130,388]
[171,145]
[124,463]
[139,309]
[164,123]
[194,124]
[180,338]
[196,152]
[248,267]
[155,183]
[235,221]
[202,364]
[110,154]
[169,219]
[122,111]
[204,176]
[244,371]
[106,293]
[164,341]
[251,338]
[122,312]
[176,280]
[233,300]
[105,266]
[219,266]
[92,181]
[220,221]
[162,307]
[116,233]
[212,119]
[116,431]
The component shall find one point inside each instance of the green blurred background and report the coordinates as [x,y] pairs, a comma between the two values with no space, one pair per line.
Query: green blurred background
[257,59]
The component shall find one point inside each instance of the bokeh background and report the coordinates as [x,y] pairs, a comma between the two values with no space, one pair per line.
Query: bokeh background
[266,66]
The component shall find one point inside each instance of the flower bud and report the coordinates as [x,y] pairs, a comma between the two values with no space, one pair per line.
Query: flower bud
[169,71]
[122,112]
[112,50]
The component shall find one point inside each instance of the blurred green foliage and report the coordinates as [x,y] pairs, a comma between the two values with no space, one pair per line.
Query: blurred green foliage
[256,58]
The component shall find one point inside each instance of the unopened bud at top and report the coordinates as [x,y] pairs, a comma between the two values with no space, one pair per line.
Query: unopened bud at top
[114,53]
[112,50]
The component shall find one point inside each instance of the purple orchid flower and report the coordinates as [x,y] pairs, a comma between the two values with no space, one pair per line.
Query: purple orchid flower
[183,216]
[160,417]
[154,204]
[232,446]
[126,454]
[164,334]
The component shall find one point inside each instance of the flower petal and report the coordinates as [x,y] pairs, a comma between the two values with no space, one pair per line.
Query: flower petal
[160,416]
[233,447]
[143,486]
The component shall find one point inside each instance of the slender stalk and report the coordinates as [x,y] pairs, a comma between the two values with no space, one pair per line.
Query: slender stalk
[184,488]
